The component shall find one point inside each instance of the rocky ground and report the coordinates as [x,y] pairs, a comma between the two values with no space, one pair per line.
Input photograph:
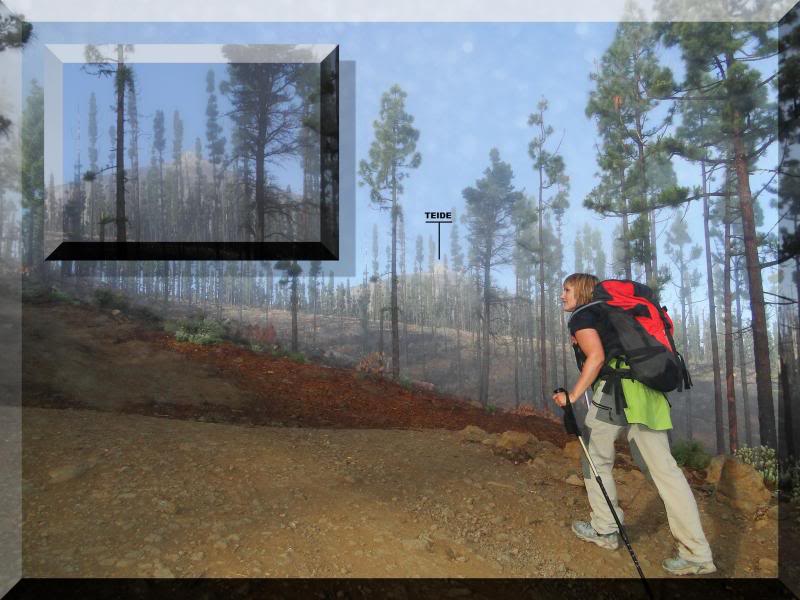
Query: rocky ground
[130,496]
[144,457]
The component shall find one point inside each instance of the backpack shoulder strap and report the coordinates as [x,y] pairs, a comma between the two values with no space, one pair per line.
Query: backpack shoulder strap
[580,308]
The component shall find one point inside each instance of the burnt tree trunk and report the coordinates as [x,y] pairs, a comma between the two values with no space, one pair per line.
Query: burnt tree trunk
[712,317]
[766,409]
[748,430]
[730,391]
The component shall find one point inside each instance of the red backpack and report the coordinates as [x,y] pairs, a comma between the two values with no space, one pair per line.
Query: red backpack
[645,333]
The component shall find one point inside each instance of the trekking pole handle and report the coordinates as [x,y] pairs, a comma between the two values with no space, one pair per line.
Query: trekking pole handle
[570,423]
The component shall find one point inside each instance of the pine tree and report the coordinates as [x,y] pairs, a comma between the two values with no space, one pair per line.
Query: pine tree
[93,165]
[578,252]
[215,143]
[458,266]
[725,53]
[490,205]
[590,255]
[159,144]
[730,391]
[699,127]
[549,167]
[392,155]
[292,272]
[15,32]
[374,280]
[314,271]
[102,66]
[636,175]
[266,113]
[177,157]
[133,155]
[525,232]
[32,179]
[198,206]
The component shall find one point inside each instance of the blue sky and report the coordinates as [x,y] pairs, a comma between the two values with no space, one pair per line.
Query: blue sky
[178,87]
[471,87]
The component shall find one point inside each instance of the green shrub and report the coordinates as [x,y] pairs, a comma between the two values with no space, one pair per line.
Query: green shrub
[60,296]
[297,357]
[690,453]
[198,331]
[491,409]
[763,459]
[146,314]
[105,298]
[37,293]
[34,293]
[405,382]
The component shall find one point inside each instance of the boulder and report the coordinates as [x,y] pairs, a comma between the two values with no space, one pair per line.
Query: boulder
[424,385]
[539,463]
[337,359]
[472,433]
[741,487]
[767,566]
[574,480]
[764,524]
[517,445]
[67,472]
[547,447]
[515,440]
[629,477]
[714,469]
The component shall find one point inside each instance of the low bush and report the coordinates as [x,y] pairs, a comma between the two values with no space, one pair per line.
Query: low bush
[763,459]
[57,295]
[198,331]
[690,453]
[36,293]
[146,314]
[105,298]
[296,357]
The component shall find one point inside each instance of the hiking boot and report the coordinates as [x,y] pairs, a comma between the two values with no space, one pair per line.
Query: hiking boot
[681,566]
[585,531]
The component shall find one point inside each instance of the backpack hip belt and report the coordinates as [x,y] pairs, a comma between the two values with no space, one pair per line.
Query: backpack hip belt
[612,385]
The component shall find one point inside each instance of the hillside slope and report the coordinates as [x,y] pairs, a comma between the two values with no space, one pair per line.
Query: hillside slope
[270,468]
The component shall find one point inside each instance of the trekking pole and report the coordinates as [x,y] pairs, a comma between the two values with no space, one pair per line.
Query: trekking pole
[571,425]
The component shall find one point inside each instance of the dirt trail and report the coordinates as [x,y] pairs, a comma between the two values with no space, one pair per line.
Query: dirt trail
[368,483]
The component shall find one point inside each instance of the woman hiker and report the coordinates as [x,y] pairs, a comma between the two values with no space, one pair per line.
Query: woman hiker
[647,420]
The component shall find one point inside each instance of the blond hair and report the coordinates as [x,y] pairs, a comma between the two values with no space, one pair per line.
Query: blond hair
[584,285]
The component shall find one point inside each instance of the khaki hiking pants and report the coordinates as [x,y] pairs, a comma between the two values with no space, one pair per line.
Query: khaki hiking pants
[650,450]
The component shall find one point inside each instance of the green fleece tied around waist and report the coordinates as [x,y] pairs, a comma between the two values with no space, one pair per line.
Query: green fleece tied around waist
[644,405]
